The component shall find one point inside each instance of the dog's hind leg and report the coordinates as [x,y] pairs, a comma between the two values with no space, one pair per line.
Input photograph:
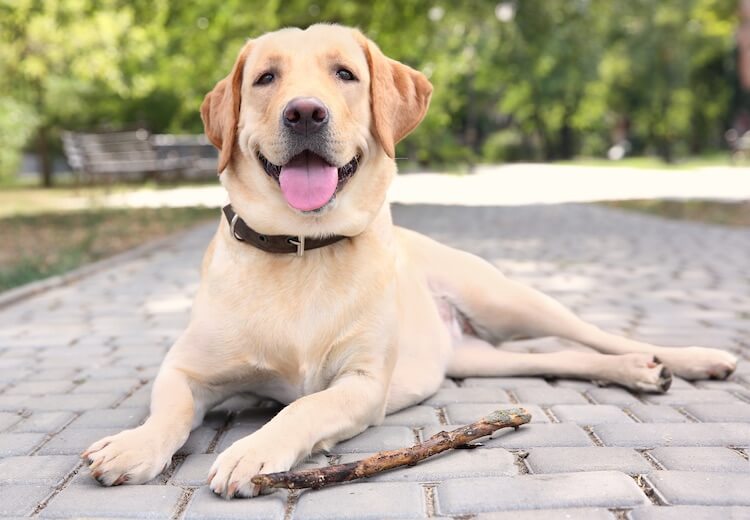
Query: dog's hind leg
[641,372]
[524,311]
[499,309]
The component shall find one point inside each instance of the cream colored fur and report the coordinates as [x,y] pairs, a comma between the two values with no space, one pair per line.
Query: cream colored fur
[358,329]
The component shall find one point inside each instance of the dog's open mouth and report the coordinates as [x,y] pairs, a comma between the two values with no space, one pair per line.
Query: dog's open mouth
[308,182]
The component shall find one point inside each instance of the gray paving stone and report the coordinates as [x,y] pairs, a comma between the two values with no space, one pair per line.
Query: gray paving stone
[119,386]
[52,374]
[550,514]
[233,435]
[447,465]
[121,501]
[376,439]
[674,434]
[551,395]
[684,397]
[589,414]
[566,460]
[40,387]
[362,501]
[36,470]
[701,488]
[215,419]
[110,372]
[701,459]
[726,386]
[123,418]
[414,416]
[8,419]
[138,399]
[654,413]
[718,412]
[528,436]
[74,442]
[681,384]
[69,402]
[194,470]
[446,396]
[508,383]
[19,443]
[144,357]
[113,350]
[43,422]
[255,416]
[206,505]
[690,513]
[595,489]
[612,395]
[198,442]
[466,413]
[12,403]
[21,500]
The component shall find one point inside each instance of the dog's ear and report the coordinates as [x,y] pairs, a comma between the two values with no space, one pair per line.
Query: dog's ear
[220,110]
[399,96]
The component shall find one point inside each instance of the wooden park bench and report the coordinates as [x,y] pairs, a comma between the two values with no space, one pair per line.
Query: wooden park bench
[130,155]
[197,150]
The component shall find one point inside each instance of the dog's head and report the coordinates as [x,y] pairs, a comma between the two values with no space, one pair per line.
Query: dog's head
[306,124]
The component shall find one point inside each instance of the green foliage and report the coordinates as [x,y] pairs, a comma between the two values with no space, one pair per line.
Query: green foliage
[504,146]
[555,76]
[17,124]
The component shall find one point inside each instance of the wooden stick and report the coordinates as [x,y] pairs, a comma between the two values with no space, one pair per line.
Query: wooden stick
[385,460]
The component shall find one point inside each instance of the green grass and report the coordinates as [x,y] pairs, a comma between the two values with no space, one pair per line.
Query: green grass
[649,162]
[50,243]
[707,211]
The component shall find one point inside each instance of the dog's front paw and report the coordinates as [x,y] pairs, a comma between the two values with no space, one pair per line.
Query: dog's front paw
[699,362]
[130,457]
[231,472]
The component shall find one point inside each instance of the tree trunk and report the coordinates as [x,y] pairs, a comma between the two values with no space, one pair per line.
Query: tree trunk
[665,151]
[44,159]
[567,145]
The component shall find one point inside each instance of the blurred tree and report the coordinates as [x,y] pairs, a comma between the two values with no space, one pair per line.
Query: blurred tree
[71,62]
[514,79]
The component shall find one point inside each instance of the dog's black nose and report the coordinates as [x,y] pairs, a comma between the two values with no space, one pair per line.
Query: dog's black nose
[305,115]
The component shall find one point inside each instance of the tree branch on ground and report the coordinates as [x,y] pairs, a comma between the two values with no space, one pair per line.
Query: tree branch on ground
[386,460]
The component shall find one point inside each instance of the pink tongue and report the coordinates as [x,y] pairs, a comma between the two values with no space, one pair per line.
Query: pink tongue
[308,182]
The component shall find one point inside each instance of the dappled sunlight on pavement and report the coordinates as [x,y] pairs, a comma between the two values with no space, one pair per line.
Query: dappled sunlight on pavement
[77,363]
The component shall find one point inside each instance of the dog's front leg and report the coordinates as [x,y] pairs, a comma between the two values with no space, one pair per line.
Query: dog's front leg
[313,422]
[138,455]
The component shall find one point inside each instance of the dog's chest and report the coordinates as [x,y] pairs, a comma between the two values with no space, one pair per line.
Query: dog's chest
[282,389]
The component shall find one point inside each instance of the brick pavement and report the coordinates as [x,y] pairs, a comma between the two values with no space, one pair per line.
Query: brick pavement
[76,363]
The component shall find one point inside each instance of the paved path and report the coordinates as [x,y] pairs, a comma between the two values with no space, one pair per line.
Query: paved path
[511,185]
[76,363]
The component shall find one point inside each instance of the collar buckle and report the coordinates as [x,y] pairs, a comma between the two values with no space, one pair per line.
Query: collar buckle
[233,225]
[300,243]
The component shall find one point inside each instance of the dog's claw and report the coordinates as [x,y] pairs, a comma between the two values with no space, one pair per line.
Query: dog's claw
[665,379]
[120,480]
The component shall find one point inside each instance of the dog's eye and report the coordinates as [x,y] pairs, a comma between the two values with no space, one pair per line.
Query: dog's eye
[345,75]
[264,79]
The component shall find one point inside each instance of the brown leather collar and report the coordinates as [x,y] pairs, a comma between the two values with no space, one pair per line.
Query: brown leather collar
[279,244]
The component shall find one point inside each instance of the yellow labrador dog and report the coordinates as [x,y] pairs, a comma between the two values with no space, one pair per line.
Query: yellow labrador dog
[311,296]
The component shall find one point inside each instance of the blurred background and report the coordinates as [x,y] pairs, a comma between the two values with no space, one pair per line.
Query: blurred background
[100,99]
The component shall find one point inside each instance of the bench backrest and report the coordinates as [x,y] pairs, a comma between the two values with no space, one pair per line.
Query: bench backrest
[110,152]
